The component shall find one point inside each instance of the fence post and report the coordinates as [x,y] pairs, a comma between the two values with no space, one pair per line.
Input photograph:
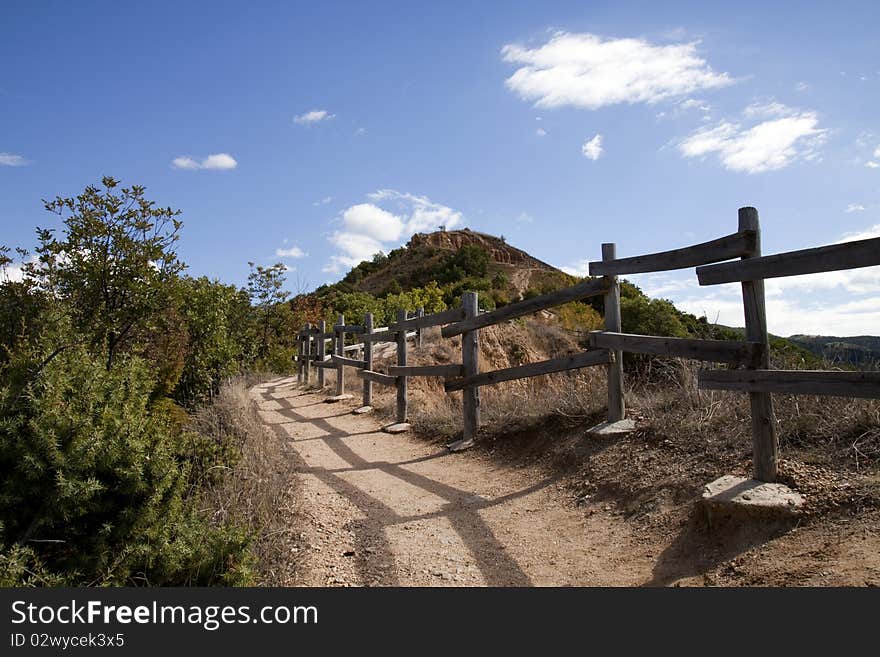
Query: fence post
[340,350]
[470,358]
[299,362]
[322,346]
[420,313]
[764,444]
[616,407]
[401,360]
[368,358]
[308,362]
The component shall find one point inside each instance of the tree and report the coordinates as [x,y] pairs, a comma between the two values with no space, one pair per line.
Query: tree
[266,289]
[112,266]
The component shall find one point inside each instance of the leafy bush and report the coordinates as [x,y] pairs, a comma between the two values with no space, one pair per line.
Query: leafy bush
[96,477]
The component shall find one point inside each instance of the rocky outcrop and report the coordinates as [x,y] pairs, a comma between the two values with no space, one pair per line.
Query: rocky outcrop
[498,250]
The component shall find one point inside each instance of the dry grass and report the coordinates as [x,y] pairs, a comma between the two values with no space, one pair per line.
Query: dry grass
[260,483]
[661,394]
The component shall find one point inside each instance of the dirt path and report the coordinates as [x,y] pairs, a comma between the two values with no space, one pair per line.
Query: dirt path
[392,510]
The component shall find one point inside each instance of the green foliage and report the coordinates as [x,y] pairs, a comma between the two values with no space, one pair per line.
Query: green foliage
[645,316]
[218,348]
[101,477]
[113,264]
[266,289]
[95,477]
[468,262]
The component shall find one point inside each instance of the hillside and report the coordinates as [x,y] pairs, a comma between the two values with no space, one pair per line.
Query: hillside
[432,257]
[861,350]
[432,270]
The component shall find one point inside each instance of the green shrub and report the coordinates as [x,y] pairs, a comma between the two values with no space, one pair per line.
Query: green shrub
[95,480]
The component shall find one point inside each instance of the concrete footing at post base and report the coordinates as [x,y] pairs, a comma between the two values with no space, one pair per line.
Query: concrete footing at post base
[338,398]
[739,498]
[617,428]
[397,427]
[460,445]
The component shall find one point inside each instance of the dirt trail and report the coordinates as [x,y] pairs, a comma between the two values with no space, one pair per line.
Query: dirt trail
[391,510]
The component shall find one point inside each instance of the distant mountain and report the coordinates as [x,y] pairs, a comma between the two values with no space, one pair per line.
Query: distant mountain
[862,350]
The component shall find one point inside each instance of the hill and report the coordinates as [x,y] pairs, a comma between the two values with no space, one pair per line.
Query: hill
[483,261]
[861,350]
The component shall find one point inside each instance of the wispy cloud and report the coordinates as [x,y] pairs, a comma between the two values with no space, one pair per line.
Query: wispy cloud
[541,132]
[12,160]
[216,161]
[323,201]
[314,116]
[368,228]
[872,165]
[590,71]
[855,207]
[592,149]
[766,146]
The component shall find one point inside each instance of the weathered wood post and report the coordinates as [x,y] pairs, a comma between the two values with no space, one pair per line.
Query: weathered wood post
[420,313]
[368,358]
[401,360]
[299,361]
[470,359]
[307,365]
[616,406]
[340,351]
[764,444]
[322,351]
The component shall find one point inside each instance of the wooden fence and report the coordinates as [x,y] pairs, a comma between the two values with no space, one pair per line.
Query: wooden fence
[748,358]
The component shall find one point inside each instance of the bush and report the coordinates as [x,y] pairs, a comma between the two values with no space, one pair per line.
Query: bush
[95,481]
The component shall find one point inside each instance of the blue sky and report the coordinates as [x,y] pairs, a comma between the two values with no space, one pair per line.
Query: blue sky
[323,131]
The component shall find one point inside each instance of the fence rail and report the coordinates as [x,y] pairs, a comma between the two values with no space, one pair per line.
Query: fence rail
[718,351]
[865,385]
[749,357]
[724,248]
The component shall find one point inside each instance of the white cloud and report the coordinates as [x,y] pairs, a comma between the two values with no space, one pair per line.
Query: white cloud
[767,146]
[314,116]
[323,201]
[768,110]
[872,165]
[11,160]
[371,220]
[854,207]
[368,228]
[541,132]
[11,273]
[420,212]
[360,131]
[216,161]
[219,161]
[801,86]
[693,103]
[589,71]
[877,152]
[579,268]
[184,163]
[524,218]
[592,149]
[291,252]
